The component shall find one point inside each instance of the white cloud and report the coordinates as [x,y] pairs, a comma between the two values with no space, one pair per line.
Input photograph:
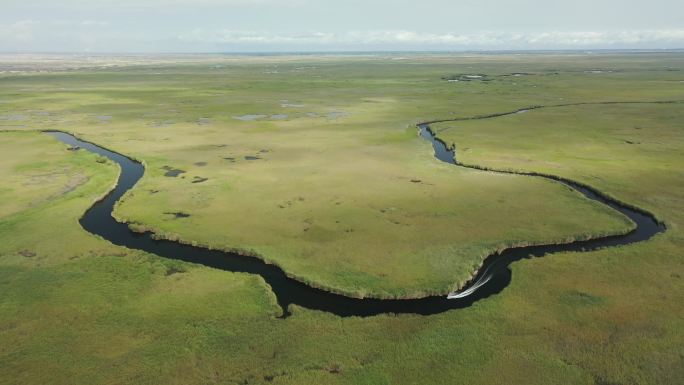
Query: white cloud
[19,31]
[443,40]
[92,34]
[64,33]
[94,23]
[108,4]
[609,38]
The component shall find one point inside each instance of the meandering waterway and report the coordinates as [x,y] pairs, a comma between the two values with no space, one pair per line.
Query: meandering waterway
[492,278]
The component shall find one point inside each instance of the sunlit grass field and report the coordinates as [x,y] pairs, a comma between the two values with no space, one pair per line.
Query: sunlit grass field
[344,195]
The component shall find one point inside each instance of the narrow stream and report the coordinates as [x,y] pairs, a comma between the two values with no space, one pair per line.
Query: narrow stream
[496,266]
[493,277]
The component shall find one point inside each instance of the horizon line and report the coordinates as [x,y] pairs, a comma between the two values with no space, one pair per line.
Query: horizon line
[348,52]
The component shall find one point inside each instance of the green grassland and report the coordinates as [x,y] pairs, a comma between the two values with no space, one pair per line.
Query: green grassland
[45,190]
[75,309]
[344,194]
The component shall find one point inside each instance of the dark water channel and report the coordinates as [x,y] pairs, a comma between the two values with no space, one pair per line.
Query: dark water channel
[493,277]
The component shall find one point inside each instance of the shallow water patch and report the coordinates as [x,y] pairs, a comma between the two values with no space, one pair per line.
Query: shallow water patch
[466,78]
[337,114]
[178,214]
[13,117]
[249,117]
[172,172]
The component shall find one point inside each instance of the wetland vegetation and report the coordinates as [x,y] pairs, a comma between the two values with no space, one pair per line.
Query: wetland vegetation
[331,183]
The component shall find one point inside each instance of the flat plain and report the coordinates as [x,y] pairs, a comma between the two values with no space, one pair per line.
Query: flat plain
[314,163]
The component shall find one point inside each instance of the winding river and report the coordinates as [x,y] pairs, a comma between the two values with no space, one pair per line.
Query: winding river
[492,278]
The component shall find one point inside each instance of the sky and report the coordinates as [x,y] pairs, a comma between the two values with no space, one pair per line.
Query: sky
[148,26]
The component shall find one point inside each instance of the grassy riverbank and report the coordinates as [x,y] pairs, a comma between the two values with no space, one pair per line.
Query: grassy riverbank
[75,309]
